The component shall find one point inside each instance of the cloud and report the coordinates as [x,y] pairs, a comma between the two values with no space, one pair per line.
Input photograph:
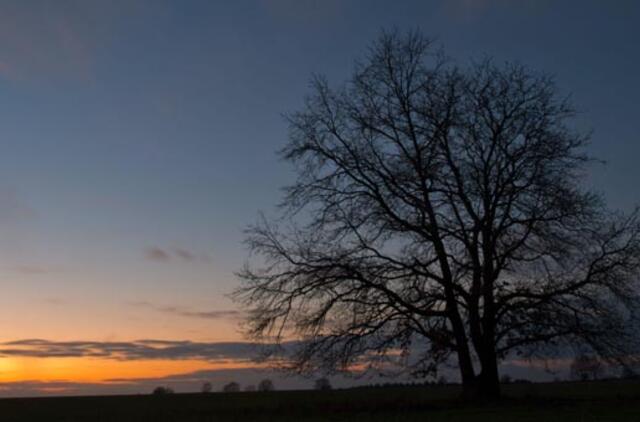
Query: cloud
[190,313]
[309,12]
[55,301]
[47,41]
[13,207]
[6,70]
[157,254]
[41,40]
[180,382]
[471,10]
[30,269]
[160,254]
[134,350]
[17,219]
[214,352]
[193,380]
[185,255]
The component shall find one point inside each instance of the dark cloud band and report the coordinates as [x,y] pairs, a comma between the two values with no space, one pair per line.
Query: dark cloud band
[190,313]
[134,350]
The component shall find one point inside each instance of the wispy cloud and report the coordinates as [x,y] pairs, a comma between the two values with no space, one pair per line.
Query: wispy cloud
[39,39]
[157,254]
[181,382]
[160,254]
[471,10]
[30,269]
[185,255]
[309,12]
[246,372]
[190,313]
[13,207]
[134,350]
[192,381]
[43,41]
[54,301]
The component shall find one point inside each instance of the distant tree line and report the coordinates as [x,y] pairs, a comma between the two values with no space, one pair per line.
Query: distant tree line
[320,384]
[162,391]
[263,386]
[584,367]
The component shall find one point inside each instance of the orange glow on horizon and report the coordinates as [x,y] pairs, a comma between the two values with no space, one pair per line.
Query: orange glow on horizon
[93,370]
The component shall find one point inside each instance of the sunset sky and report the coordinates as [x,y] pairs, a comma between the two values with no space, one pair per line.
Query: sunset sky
[138,139]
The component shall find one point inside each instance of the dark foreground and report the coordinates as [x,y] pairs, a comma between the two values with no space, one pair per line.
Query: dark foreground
[589,401]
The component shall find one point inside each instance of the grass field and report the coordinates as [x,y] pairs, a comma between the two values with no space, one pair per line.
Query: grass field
[586,401]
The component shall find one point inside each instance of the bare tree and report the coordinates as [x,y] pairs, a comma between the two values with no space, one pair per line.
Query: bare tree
[206,387]
[232,387]
[627,372]
[322,384]
[585,367]
[440,211]
[266,385]
[162,391]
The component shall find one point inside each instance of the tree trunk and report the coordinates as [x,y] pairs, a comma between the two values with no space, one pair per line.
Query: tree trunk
[489,381]
[486,385]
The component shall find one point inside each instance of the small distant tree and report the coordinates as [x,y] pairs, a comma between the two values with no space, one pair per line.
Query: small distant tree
[585,367]
[322,384]
[206,388]
[266,385]
[442,380]
[505,379]
[232,387]
[250,388]
[162,391]
[627,373]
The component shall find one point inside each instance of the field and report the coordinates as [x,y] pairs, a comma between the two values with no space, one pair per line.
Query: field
[586,401]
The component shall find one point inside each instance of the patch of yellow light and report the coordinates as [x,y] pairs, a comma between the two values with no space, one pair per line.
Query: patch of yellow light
[101,370]
[7,365]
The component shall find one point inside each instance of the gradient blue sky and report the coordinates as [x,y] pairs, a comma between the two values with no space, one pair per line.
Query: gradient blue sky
[138,138]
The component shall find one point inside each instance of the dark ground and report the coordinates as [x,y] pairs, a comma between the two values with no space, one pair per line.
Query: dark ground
[567,401]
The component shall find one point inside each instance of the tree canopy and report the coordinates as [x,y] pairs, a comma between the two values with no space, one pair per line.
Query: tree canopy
[440,214]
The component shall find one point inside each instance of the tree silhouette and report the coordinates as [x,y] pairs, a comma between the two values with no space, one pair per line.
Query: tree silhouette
[266,385]
[162,391]
[206,387]
[440,211]
[585,367]
[627,372]
[322,384]
[232,387]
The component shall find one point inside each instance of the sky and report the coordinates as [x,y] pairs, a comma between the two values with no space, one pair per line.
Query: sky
[138,139]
